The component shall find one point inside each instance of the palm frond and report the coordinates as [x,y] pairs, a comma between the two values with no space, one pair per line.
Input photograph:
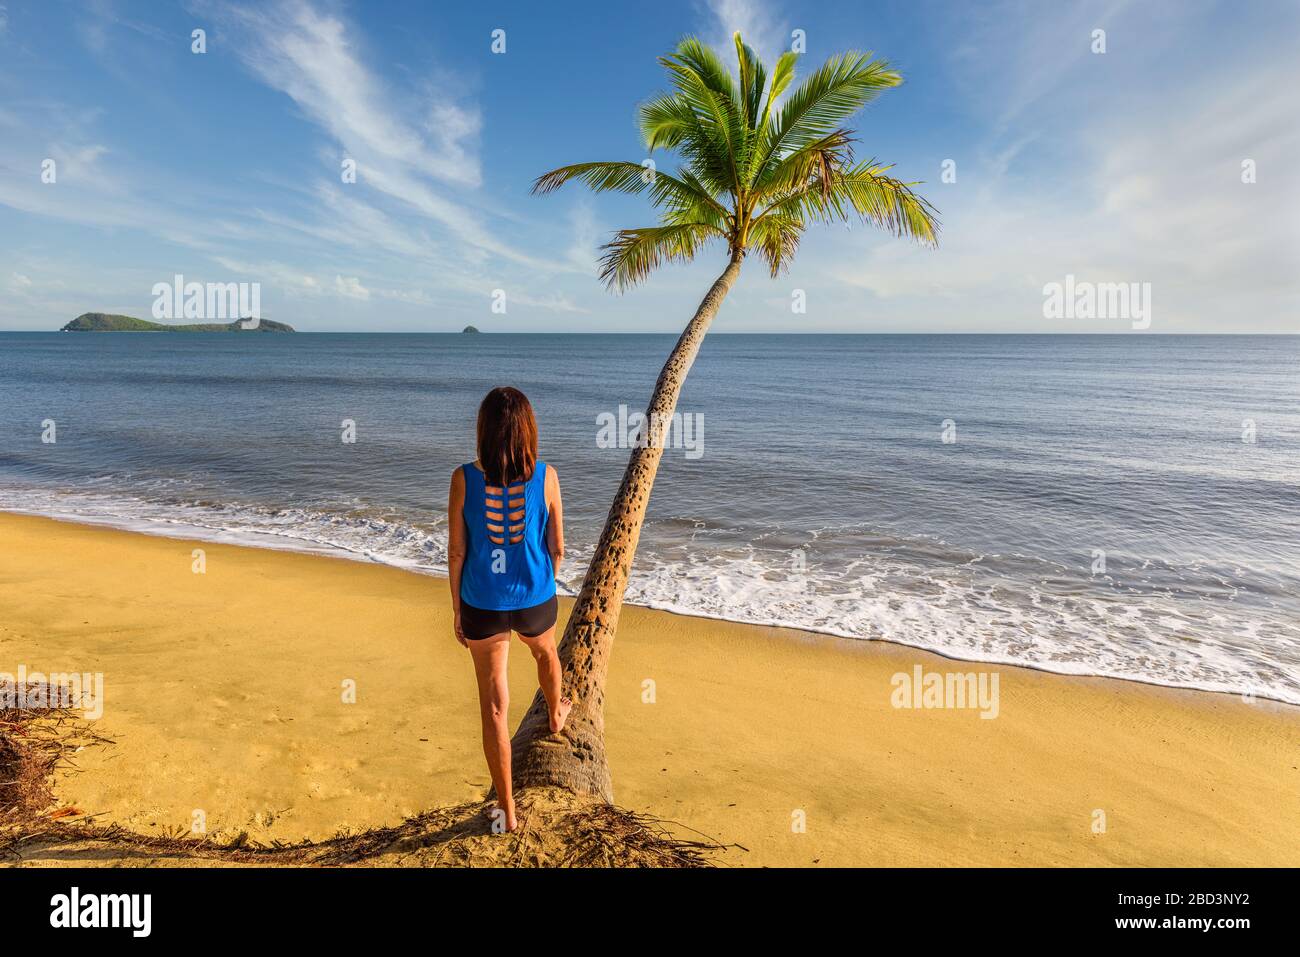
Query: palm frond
[666,122]
[686,192]
[671,122]
[616,176]
[863,189]
[843,85]
[782,74]
[890,203]
[776,238]
[819,160]
[704,86]
[635,253]
[697,58]
[753,80]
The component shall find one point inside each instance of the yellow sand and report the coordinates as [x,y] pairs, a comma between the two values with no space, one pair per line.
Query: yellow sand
[224,693]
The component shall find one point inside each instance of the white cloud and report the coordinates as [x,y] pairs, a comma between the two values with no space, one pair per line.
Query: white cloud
[281,278]
[1151,193]
[99,26]
[350,288]
[463,222]
[757,24]
[413,297]
[313,57]
[584,252]
[1048,42]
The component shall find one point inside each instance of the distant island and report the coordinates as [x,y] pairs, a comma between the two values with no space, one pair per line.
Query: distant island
[469,329]
[103,322]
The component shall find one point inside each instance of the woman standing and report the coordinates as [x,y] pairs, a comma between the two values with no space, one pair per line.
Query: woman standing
[505,544]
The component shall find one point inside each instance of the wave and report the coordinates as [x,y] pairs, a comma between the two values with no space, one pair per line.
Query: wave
[1182,628]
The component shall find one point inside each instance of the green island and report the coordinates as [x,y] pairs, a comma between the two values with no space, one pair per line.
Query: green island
[104,322]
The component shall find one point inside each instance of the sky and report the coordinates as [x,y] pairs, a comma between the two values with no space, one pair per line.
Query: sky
[1123,166]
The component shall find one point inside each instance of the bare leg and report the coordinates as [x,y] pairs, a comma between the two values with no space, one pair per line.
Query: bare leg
[550,676]
[490,656]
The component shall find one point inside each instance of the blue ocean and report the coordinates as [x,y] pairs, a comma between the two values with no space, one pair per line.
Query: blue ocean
[1110,505]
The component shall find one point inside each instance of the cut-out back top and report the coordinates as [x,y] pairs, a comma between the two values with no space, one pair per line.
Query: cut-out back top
[507,564]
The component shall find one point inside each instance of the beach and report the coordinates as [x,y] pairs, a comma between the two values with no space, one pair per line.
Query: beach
[229,693]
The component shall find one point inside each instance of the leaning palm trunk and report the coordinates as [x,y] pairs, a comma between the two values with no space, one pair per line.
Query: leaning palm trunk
[575,760]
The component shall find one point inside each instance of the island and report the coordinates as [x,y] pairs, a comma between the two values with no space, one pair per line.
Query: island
[469,329]
[104,322]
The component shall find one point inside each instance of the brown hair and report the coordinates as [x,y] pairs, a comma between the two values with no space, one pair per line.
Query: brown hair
[507,436]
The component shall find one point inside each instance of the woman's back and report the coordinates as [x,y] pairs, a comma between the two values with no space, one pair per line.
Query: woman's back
[507,561]
[505,541]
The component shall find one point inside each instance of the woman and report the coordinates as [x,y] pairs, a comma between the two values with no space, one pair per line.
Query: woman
[506,541]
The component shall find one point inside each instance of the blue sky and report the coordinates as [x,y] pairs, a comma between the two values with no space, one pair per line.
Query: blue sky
[225,166]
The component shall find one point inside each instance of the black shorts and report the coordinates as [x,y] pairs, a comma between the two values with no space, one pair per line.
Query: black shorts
[479,623]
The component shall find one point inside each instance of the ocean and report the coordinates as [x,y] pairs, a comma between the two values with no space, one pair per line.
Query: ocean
[1108,505]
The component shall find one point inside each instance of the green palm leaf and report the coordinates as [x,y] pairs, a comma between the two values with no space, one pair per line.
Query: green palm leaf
[624,177]
[635,253]
[863,189]
[842,86]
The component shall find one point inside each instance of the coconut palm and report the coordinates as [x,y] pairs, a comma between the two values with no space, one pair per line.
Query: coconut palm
[756,171]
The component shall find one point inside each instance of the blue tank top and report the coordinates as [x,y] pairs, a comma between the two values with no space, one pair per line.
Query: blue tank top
[507,564]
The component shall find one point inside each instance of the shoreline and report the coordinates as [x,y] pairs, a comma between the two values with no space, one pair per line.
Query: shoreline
[303,546]
[674,334]
[222,695]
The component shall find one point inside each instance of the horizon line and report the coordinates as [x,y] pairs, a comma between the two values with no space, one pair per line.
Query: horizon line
[391,332]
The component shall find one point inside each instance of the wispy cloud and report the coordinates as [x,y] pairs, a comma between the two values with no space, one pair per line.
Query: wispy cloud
[1046,47]
[314,58]
[757,22]
[1152,193]
[414,228]
[351,287]
[285,278]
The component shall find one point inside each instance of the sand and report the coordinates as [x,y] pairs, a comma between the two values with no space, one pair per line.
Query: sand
[224,694]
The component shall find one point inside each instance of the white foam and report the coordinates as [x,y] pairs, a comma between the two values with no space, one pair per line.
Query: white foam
[966,609]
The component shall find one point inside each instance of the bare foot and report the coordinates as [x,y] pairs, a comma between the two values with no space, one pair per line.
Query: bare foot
[560,715]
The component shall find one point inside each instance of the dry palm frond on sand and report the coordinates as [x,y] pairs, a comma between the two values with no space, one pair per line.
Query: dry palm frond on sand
[556,829]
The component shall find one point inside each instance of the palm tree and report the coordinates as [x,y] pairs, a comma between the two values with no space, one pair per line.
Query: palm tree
[756,171]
